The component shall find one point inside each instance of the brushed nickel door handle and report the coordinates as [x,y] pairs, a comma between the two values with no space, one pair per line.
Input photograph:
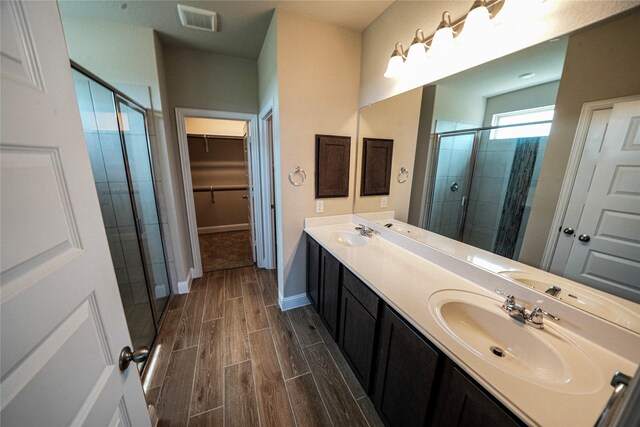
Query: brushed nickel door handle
[127,356]
[584,238]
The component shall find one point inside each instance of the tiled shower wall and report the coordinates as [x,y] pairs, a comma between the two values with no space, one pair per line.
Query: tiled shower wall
[488,190]
[454,155]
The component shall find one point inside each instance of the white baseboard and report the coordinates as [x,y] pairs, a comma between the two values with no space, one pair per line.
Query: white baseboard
[295,301]
[184,287]
[222,228]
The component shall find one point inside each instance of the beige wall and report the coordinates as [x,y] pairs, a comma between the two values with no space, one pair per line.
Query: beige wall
[396,118]
[601,63]
[209,81]
[519,29]
[318,67]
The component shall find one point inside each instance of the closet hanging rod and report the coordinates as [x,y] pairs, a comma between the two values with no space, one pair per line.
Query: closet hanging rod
[206,135]
[215,188]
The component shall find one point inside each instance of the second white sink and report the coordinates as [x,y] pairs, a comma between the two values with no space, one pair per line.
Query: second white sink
[541,356]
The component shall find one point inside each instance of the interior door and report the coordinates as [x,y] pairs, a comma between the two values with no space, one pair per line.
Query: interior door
[62,322]
[246,143]
[605,252]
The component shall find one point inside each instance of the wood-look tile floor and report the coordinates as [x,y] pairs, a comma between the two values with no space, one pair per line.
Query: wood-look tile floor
[226,355]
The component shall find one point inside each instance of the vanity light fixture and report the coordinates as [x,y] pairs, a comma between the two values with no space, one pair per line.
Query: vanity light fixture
[396,62]
[443,38]
[417,51]
[473,24]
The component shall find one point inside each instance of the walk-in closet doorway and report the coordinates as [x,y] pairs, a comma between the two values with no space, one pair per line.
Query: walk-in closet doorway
[225,192]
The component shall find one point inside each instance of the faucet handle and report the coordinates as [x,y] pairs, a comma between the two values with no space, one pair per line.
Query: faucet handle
[508,295]
[537,311]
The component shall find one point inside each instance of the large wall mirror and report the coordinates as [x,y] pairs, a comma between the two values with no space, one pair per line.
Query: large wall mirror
[487,151]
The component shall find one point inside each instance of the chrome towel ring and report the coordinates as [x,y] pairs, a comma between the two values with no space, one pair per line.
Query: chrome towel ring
[302,176]
[403,175]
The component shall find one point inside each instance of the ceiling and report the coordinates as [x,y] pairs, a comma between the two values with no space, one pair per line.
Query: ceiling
[242,24]
[545,60]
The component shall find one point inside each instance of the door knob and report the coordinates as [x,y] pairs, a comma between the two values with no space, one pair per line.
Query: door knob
[127,356]
[568,231]
[584,238]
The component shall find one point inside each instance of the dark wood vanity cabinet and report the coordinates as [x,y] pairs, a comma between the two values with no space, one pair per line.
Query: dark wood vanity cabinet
[313,272]
[407,374]
[462,403]
[330,272]
[323,284]
[358,325]
[411,383]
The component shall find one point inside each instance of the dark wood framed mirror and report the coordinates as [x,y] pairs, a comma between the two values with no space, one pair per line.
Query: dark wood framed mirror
[376,166]
[332,166]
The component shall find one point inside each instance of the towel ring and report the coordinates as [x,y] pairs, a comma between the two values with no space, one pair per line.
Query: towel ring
[297,171]
[404,173]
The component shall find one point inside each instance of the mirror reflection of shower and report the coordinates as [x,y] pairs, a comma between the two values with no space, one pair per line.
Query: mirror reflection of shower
[484,180]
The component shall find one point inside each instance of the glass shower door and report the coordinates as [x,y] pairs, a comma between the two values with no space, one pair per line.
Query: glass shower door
[102,135]
[116,137]
[134,135]
[452,177]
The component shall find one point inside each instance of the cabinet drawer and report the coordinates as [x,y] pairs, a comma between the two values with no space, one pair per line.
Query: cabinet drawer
[361,293]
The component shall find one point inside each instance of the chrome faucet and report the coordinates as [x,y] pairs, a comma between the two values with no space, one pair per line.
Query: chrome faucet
[366,231]
[533,318]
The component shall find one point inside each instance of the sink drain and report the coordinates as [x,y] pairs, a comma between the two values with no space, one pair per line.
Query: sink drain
[497,351]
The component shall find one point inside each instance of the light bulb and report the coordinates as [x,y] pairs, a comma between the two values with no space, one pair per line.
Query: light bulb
[417,51]
[477,20]
[417,54]
[442,41]
[394,67]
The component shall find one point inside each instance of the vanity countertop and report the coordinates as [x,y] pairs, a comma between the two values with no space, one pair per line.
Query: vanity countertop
[407,275]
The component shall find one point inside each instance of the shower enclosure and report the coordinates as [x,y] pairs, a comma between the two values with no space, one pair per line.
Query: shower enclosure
[482,184]
[117,141]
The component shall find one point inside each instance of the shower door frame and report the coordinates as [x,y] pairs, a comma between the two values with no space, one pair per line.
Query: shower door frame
[434,172]
[472,161]
[119,97]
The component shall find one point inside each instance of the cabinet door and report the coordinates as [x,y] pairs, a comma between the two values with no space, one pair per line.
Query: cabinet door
[357,337]
[330,292]
[462,403]
[313,272]
[406,374]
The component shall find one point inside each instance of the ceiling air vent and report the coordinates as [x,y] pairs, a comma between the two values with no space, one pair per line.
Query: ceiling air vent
[200,19]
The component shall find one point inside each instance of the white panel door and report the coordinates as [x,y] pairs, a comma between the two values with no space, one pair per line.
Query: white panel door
[605,252]
[598,123]
[62,322]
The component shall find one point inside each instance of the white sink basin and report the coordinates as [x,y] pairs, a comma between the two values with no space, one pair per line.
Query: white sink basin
[544,357]
[592,302]
[349,238]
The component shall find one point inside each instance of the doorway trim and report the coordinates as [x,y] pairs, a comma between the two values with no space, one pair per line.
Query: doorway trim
[185,163]
[266,189]
[577,147]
